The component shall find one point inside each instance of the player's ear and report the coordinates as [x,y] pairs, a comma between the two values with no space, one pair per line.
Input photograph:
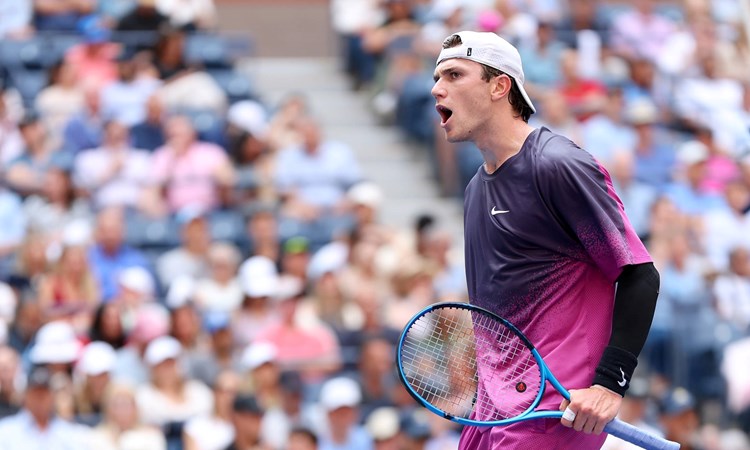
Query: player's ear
[500,86]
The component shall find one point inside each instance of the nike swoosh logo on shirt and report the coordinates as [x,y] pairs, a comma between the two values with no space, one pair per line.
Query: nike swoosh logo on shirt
[495,212]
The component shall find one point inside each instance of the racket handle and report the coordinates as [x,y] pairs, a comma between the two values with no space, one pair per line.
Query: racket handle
[627,432]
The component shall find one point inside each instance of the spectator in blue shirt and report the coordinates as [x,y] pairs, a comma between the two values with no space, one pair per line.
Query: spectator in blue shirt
[110,255]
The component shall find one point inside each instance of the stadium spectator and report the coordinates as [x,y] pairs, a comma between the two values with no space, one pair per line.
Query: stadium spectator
[259,280]
[170,399]
[84,130]
[26,173]
[36,425]
[220,289]
[11,143]
[70,291]
[310,348]
[110,254]
[61,15]
[10,393]
[148,134]
[189,14]
[247,417]
[679,419]
[17,16]
[215,431]
[125,99]
[107,326]
[121,427]
[732,291]
[190,259]
[144,17]
[93,60]
[93,370]
[641,32]
[340,399]
[188,173]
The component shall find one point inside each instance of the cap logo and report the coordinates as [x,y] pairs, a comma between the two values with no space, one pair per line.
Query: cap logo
[468,51]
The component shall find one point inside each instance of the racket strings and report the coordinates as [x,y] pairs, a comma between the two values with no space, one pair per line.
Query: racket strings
[446,353]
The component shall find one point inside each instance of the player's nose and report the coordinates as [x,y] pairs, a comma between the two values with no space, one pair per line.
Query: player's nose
[438,90]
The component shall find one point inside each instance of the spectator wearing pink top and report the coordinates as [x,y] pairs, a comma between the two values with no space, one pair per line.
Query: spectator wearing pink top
[310,347]
[187,172]
[641,32]
[95,59]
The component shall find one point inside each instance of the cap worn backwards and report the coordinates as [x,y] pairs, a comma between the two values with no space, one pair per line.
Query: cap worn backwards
[490,49]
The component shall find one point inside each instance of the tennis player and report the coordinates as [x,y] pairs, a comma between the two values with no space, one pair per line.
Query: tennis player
[548,246]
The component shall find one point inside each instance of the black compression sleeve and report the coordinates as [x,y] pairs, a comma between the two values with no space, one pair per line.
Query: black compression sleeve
[635,301]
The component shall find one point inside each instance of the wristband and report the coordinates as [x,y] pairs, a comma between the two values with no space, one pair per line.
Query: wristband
[615,369]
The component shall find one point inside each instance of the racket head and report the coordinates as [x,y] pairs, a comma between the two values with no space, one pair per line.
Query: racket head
[469,365]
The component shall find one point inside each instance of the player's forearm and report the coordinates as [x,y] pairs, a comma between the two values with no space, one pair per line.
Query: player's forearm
[635,302]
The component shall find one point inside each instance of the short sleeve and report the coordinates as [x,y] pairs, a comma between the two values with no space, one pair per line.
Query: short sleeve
[580,193]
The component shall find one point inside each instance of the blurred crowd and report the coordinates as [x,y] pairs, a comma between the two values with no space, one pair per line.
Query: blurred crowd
[184,266]
[659,92]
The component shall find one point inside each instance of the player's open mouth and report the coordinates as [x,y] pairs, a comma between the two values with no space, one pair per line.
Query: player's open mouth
[444,112]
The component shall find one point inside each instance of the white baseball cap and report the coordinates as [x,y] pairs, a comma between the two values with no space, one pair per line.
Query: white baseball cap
[490,49]
[98,357]
[258,277]
[55,342]
[257,354]
[340,392]
[162,349]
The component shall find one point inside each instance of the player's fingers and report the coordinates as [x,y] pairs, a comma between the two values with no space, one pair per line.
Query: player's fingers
[564,404]
[580,423]
[589,426]
[599,428]
[568,417]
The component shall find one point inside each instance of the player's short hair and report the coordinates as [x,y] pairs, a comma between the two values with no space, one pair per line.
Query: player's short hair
[515,98]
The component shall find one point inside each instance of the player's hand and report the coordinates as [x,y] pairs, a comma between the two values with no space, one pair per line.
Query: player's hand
[593,407]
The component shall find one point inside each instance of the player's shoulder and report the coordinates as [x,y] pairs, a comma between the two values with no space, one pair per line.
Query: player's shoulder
[555,151]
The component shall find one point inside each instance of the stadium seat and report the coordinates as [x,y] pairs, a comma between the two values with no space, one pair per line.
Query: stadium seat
[28,82]
[236,85]
[151,234]
[28,53]
[228,226]
[208,51]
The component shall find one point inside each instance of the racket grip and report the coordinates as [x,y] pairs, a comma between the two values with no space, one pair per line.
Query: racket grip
[627,432]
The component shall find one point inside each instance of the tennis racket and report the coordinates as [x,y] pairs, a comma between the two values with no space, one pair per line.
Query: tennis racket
[447,347]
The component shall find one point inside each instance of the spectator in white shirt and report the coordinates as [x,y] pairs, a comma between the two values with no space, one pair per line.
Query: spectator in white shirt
[114,174]
[732,290]
[36,427]
[125,99]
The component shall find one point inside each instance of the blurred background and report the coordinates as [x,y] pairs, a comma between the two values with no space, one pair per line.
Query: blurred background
[217,215]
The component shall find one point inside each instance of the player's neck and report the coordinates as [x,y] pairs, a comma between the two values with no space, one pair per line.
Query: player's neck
[502,142]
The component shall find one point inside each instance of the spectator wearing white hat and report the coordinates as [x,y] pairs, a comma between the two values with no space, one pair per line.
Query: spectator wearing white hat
[384,426]
[259,359]
[259,278]
[686,191]
[56,347]
[214,431]
[311,348]
[340,398]
[93,377]
[220,290]
[169,398]
[121,427]
[150,321]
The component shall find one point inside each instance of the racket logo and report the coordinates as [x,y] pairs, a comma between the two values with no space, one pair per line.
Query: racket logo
[521,386]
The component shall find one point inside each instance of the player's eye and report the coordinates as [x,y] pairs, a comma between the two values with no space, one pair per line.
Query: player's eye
[454,75]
